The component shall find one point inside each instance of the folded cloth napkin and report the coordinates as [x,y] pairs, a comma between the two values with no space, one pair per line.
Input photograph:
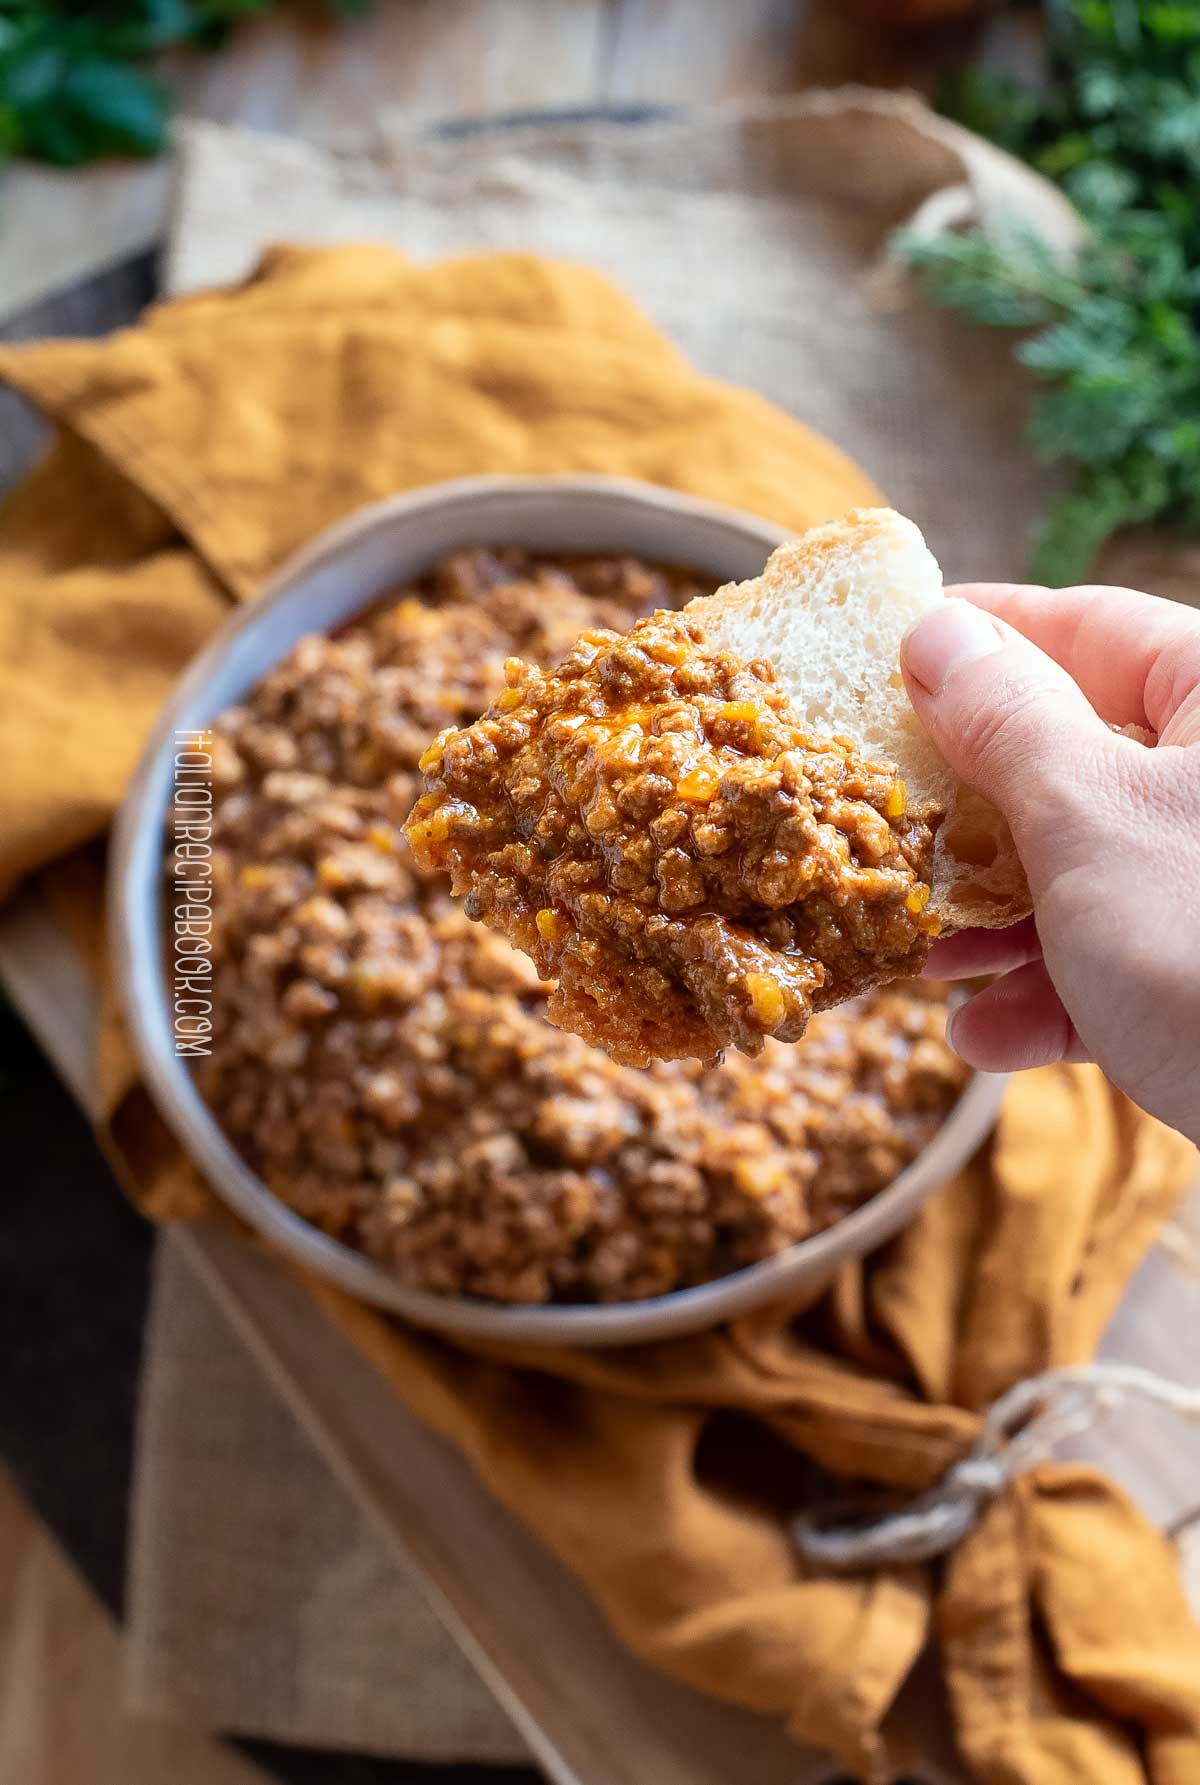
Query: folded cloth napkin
[194,452]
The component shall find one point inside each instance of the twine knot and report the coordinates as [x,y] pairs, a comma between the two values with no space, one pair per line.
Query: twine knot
[1019,1429]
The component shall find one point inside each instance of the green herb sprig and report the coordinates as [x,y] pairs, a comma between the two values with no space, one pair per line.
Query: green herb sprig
[1116,331]
[76,80]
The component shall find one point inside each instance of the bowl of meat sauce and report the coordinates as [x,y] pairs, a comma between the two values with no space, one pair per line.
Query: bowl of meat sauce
[375,1085]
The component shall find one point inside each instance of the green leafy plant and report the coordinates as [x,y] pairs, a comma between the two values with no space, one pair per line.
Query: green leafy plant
[77,80]
[1116,330]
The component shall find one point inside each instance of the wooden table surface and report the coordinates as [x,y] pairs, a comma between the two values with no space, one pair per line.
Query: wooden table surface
[450,57]
[590,1713]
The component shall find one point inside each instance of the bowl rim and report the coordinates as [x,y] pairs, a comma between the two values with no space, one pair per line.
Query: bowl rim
[134,922]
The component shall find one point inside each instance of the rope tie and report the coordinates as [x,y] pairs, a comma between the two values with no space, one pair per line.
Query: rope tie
[1019,1430]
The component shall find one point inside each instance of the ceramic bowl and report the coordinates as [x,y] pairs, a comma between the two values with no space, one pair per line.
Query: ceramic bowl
[325,585]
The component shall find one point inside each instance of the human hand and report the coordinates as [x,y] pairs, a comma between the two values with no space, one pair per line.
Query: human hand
[1019,688]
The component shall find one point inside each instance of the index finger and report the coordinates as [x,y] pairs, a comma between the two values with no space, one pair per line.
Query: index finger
[1136,656]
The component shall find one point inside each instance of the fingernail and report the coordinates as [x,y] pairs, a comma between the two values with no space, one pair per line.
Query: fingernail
[951,1019]
[944,639]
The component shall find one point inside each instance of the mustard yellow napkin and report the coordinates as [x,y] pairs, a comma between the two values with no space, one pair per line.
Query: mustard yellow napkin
[195,451]
[203,446]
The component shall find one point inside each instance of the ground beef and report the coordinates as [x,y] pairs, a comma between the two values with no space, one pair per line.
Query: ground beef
[692,867]
[387,1065]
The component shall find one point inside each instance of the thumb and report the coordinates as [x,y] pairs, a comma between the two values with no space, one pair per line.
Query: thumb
[1010,722]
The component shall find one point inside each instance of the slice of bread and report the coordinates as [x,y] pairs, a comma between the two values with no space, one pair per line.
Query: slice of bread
[828,613]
